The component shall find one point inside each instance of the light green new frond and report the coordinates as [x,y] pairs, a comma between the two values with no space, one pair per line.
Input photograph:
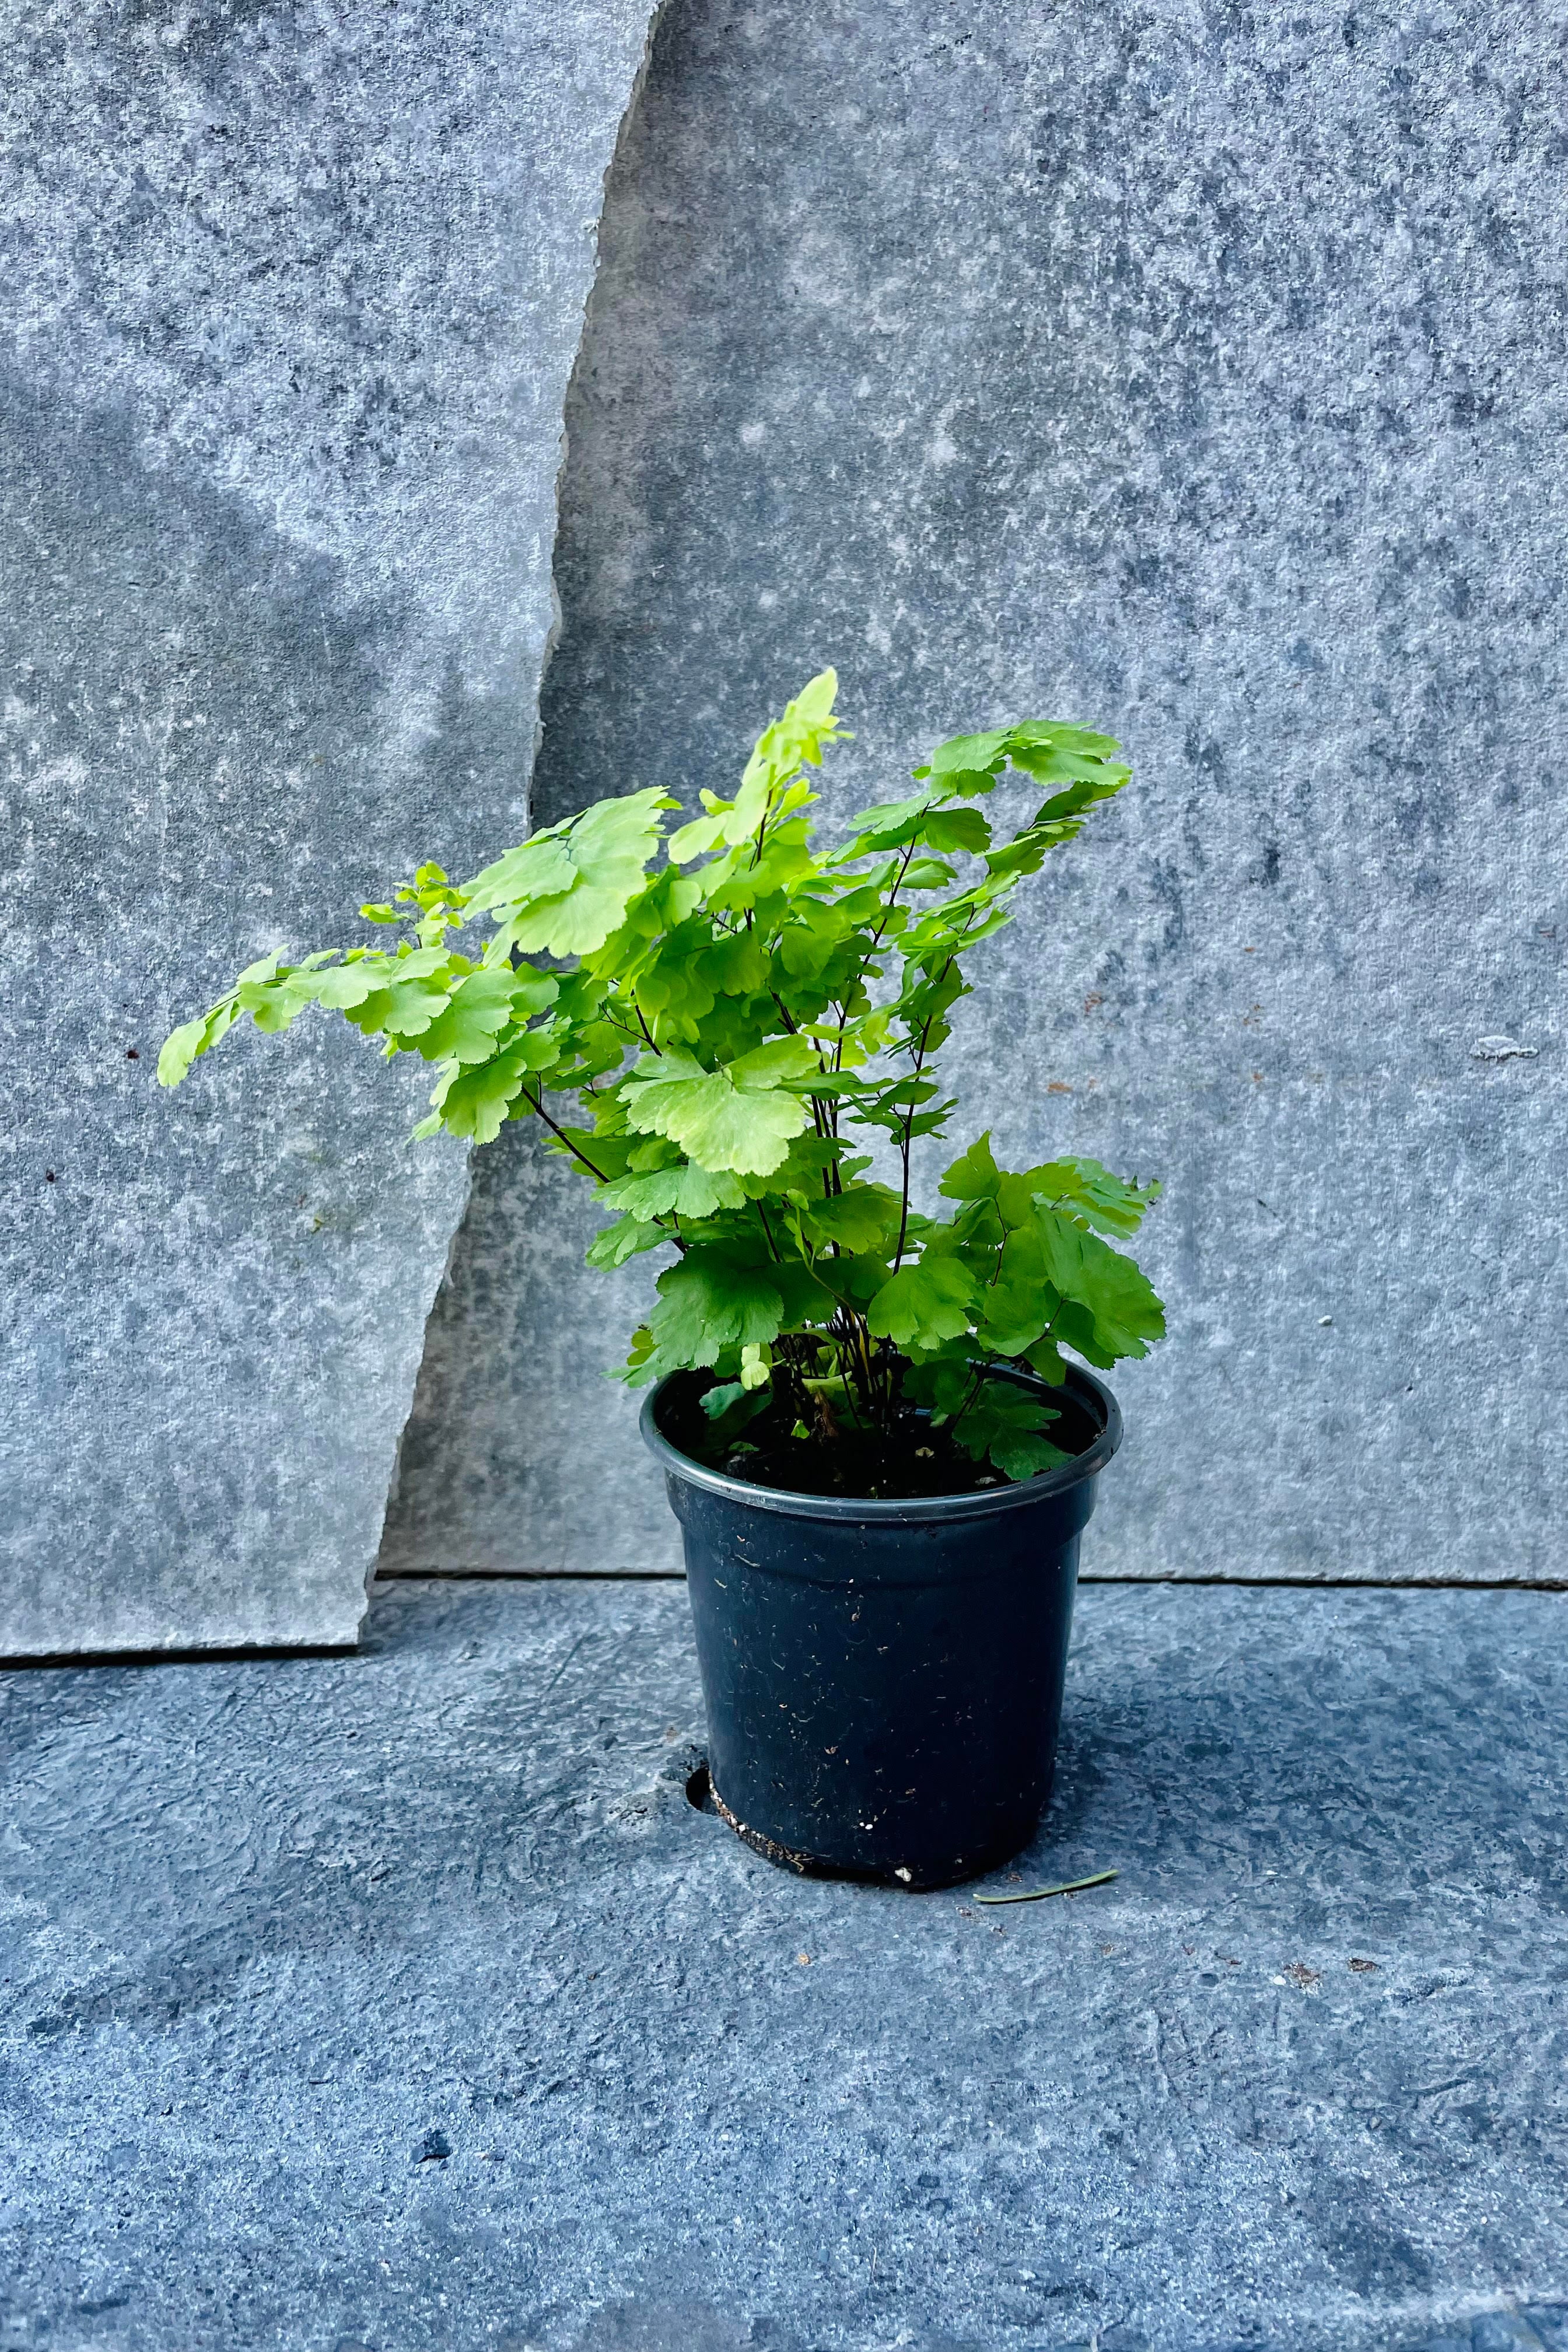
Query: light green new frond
[194,1038]
[681,1192]
[794,741]
[564,892]
[469,1020]
[734,1119]
[476,1101]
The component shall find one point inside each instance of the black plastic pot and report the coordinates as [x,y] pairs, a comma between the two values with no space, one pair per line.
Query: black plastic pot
[884,1679]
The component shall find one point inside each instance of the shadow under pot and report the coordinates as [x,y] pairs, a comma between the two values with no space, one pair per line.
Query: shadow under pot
[883,1680]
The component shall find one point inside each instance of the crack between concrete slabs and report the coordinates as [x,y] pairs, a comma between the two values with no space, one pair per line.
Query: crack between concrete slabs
[628,115]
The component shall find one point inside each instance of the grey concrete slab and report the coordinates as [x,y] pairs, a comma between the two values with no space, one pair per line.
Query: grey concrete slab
[1200,372]
[291,300]
[402,1999]
[521,1453]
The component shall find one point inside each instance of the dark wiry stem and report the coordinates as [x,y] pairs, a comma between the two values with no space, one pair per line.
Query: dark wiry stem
[787,1351]
[970,1394]
[905,1140]
[536,1106]
[642,1025]
[909,1114]
[877,938]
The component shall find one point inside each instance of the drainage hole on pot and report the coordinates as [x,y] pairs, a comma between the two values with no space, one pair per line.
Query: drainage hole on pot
[700,1789]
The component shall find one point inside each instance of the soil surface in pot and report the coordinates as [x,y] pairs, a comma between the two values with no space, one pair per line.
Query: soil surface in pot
[914,1461]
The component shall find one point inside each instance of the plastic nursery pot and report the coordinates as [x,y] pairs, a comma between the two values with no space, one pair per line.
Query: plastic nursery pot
[884,1679]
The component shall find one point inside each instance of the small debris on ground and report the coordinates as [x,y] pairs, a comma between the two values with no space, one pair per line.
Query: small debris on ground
[1502,1049]
[1038,1894]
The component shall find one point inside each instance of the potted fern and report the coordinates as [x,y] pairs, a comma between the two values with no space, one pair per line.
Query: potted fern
[875,1417]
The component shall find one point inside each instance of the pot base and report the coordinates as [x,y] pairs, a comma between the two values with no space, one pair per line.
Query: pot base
[811,1865]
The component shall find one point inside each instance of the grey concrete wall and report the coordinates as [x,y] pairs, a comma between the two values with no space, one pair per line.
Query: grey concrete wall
[292,296]
[1197,372]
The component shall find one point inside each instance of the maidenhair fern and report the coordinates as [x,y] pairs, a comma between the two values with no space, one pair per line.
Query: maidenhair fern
[728,1029]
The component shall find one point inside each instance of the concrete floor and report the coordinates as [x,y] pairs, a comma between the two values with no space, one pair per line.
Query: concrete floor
[401,2001]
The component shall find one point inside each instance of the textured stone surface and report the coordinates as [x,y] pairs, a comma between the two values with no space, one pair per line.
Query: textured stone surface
[276,1934]
[1199,373]
[291,298]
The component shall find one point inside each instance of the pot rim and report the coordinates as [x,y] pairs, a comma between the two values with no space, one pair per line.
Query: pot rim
[893,1511]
